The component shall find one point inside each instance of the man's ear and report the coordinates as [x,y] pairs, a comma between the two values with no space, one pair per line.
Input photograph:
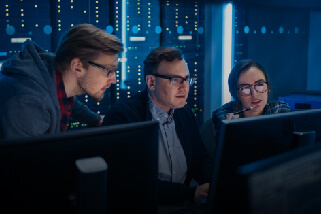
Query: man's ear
[76,67]
[151,82]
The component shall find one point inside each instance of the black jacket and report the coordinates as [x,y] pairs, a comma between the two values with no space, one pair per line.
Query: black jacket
[199,164]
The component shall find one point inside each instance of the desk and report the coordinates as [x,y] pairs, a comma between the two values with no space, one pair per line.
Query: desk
[303,101]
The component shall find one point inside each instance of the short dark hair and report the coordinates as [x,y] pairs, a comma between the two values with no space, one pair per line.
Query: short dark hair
[85,41]
[238,69]
[153,59]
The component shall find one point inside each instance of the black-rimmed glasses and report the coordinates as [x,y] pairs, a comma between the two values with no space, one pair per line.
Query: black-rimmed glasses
[177,80]
[109,72]
[260,87]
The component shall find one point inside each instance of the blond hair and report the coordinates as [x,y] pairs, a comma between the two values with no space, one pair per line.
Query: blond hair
[85,41]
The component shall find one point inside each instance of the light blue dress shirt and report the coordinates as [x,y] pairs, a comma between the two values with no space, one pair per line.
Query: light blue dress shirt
[172,161]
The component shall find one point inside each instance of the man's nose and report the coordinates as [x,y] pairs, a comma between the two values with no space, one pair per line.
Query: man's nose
[112,79]
[183,84]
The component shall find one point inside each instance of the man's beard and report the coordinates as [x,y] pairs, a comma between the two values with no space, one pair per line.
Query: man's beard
[96,97]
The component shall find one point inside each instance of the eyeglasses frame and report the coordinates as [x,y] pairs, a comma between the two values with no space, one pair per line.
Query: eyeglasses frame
[253,86]
[109,72]
[183,79]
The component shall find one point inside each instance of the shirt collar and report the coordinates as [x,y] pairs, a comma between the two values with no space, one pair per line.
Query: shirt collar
[158,113]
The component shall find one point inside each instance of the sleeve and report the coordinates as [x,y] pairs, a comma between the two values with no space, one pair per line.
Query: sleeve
[284,107]
[81,113]
[199,162]
[115,115]
[121,113]
[203,167]
[220,114]
[217,116]
[208,135]
[26,116]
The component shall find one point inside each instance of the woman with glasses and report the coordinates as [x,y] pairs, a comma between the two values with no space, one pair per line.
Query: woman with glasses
[249,85]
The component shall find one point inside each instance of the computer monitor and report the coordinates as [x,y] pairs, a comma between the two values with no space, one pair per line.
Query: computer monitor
[285,183]
[38,174]
[245,140]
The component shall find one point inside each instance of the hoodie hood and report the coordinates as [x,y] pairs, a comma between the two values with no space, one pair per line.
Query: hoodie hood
[34,63]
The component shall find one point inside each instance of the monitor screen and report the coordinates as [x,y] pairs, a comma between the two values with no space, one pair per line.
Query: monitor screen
[285,183]
[39,175]
[245,140]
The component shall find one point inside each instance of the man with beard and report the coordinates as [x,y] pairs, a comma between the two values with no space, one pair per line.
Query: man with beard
[182,155]
[37,88]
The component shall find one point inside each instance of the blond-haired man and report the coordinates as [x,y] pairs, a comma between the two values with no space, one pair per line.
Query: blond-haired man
[38,87]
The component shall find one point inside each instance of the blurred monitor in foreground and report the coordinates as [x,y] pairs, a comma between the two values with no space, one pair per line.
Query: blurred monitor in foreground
[39,175]
[246,140]
[286,183]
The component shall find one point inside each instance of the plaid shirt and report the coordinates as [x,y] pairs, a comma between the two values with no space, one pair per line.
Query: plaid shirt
[64,102]
[272,107]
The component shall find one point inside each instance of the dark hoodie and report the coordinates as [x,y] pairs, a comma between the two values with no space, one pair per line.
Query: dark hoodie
[28,95]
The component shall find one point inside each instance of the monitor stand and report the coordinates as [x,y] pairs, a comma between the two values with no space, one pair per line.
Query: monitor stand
[92,185]
[306,138]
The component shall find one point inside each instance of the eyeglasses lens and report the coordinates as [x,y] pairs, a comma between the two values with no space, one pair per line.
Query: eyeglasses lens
[177,81]
[259,87]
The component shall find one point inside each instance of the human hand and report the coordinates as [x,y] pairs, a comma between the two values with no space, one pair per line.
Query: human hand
[232,116]
[201,192]
[101,119]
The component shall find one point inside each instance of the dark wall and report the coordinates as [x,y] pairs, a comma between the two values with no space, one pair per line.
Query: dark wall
[157,22]
[279,40]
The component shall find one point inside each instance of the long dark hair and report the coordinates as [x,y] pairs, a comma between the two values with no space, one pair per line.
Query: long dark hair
[238,69]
